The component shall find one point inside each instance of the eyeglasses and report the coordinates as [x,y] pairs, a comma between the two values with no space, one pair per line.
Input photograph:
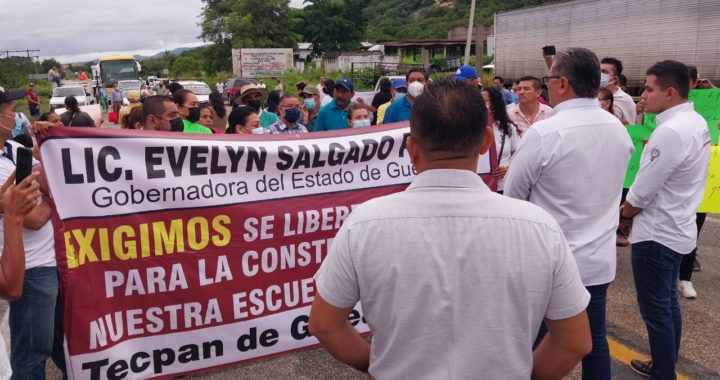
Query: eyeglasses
[545,79]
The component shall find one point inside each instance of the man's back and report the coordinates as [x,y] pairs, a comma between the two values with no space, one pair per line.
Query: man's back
[454,279]
[572,165]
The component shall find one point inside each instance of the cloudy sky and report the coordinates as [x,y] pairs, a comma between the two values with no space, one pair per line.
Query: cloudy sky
[76,34]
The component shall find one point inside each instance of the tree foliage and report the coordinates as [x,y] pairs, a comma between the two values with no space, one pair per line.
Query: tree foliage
[248,23]
[333,25]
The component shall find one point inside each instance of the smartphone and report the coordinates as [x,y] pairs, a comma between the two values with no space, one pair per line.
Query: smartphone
[23,164]
[549,50]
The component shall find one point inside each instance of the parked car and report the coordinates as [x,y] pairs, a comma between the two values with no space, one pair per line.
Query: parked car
[128,85]
[200,89]
[232,87]
[57,100]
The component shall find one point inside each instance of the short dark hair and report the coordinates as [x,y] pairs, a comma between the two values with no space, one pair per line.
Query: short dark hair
[671,73]
[537,84]
[179,96]
[417,70]
[622,80]
[45,116]
[581,67]
[287,96]
[499,78]
[174,87]
[154,106]
[617,64]
[132,117]
[300,86]
[238,116]
[693,71]
[385,84]
[449,116]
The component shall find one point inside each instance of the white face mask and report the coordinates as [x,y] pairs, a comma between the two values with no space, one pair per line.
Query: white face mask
[415,89]
[361,123]
[604,80]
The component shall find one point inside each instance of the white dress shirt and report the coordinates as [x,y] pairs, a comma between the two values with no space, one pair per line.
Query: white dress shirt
[453,279]
[573,165]
[670,184]
[626,105]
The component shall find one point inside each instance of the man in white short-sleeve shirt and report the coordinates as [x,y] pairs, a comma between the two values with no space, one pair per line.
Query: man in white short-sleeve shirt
[612,68]
[573,164]
[661,206]
[454,280]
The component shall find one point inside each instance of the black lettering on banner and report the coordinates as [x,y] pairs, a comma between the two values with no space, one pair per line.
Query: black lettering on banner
[162,358]
[102,164]
[197,157]
[334,160]
[117,370]
[303,158]
[176,162]
[249,341]
[258,159]
[317,161]
[95,367]
[403,144]
[354,153]
[152,160]
[386,145]
[286,159]
[299,327]
[234,156]
[137,368]
[70,177]
[369,150]
[89,165]
[215,167]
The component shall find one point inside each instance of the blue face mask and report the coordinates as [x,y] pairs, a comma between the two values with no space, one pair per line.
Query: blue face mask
[361,123]
[309,104]
[292,115]
[19,124]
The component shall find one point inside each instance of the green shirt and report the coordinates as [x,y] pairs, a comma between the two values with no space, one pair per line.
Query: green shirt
[267,119]
[195,128]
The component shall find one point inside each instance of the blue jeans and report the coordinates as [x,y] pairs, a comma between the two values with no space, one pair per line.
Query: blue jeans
[596,365]
[655,269]
[32,323]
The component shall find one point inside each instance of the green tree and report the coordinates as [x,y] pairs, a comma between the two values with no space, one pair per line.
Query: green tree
[248,23]
[334,25]
[47,64]
[187,67]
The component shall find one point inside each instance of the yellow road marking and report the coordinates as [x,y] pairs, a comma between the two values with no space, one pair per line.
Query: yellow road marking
[625,354]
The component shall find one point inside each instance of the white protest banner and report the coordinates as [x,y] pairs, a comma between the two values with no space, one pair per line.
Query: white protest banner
[182,252]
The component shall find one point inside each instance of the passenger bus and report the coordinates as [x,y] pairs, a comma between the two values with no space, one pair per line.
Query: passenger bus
[110,70]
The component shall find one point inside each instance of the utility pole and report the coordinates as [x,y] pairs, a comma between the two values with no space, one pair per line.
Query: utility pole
[469,34]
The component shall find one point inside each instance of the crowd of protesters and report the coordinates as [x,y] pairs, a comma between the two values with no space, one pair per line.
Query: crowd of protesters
[551,246]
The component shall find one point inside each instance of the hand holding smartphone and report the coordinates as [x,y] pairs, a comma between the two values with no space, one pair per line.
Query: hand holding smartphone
[23,164]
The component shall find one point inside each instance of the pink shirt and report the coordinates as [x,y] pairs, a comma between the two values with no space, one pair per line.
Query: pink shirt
[522,123]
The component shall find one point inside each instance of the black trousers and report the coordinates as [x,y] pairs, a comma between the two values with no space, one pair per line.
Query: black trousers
[686,266]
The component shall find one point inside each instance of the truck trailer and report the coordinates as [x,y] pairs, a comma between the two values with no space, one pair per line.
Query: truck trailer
[637,32]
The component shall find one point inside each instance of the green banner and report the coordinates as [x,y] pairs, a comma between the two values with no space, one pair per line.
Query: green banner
[637,133]
[707,104]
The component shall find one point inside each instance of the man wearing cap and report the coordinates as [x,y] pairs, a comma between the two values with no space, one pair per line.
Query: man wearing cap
[333,115]
[310,97]
[33,100]
[468,74]
[32,316]
[400,110]
[251,95]
[398,90]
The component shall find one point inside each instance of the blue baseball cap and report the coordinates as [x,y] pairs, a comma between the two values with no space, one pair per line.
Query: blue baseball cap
[466,72]
[398,83]
[344,83]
